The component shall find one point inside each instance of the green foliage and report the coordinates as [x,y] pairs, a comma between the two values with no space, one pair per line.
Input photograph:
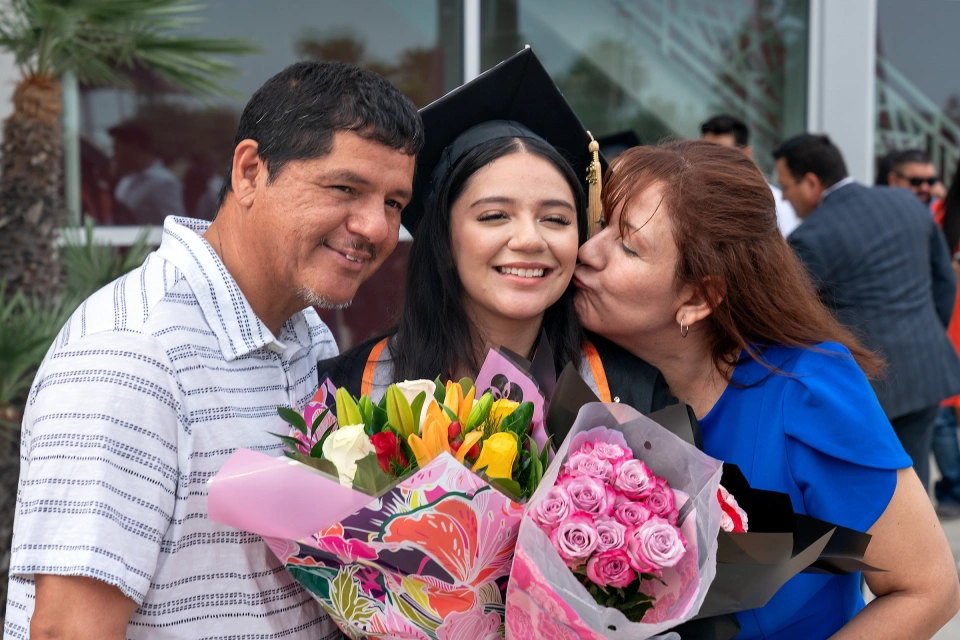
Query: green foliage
[92,265]
[630,601]
[27,329]
[370,478]
[102,40]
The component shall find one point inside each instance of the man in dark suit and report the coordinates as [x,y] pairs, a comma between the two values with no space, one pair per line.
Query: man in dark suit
[882,265]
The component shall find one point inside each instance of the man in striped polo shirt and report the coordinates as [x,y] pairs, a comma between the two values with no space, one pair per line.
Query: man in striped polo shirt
[159,377]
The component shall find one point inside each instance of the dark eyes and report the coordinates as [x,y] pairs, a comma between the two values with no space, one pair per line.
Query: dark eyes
[393,204]
[627,250]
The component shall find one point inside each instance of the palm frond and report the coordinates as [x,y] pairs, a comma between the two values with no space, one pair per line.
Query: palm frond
[100,40]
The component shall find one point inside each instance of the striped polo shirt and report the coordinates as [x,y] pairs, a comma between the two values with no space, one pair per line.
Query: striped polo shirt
[151,385]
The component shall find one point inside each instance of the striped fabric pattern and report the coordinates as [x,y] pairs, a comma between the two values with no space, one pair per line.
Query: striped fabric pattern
[151,385]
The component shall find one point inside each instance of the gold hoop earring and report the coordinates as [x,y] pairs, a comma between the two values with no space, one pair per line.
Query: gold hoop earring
[684,329]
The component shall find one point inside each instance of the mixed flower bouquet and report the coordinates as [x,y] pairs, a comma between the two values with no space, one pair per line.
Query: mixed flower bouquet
[620,539]
[399,517]
[368,446]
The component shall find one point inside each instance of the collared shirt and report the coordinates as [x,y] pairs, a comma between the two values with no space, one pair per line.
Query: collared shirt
[836,186]
[151,195]
[787,218]
[151,385]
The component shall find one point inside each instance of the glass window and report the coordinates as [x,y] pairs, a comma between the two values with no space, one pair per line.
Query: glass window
[663,67]
[918,87]
[153,151]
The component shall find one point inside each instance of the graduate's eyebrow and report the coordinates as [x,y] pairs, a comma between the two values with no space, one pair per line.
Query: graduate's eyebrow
[506,200]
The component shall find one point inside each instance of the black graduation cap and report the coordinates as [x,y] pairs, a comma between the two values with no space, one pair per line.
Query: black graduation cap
[517,98]
[616,143]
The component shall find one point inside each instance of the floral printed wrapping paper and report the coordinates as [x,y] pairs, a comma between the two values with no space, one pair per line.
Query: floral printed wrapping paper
[428,559]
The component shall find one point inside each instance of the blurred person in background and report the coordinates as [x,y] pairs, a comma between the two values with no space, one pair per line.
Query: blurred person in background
[733,132]
[148,190]
[882,266]
[946,449]
[912,169]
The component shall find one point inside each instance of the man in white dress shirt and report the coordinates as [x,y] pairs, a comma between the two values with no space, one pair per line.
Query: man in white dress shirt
[146,188]
[158,378]
[731,131]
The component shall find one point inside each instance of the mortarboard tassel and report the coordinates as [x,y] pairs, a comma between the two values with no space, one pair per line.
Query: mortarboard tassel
[595,180]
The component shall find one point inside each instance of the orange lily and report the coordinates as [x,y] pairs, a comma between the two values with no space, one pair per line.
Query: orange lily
[466,405]
[432,442]
[469,440]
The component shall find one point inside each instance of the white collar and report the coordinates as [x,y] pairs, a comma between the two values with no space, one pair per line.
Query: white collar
[229,315]
[835,187]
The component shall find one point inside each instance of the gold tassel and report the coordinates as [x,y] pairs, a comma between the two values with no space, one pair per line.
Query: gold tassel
[595,180]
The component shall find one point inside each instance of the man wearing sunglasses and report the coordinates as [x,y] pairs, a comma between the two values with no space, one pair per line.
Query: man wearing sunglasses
[913,169]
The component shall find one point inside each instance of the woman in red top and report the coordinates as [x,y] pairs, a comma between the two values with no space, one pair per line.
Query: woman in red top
[946,450]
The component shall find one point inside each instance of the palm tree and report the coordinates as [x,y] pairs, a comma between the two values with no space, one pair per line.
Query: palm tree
[99,42]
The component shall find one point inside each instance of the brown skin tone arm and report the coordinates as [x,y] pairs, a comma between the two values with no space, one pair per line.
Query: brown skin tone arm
[79,608]
[919,592]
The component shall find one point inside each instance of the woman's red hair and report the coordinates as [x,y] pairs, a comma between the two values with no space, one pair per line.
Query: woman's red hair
[724,223]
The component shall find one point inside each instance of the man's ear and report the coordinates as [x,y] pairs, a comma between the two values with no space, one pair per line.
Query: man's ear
[247,172]
[748,151]
[892,178]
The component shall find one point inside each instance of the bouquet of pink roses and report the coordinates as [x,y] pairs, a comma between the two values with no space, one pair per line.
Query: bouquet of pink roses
[614,523]
[626,518]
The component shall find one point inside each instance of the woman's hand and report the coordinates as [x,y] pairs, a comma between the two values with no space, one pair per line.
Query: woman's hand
[919,592]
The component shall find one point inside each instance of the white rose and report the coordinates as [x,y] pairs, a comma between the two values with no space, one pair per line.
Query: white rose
[412,388]
[344,448]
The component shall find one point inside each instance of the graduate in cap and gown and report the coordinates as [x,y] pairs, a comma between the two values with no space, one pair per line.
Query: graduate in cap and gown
[507,189]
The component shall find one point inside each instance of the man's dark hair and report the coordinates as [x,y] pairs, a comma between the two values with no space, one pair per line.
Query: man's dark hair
[723,125]
[908,156]
[294,115]
[812,153]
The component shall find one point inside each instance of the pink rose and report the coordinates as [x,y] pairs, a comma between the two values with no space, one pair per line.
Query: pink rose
[587,464]
[554,508]
[612,453]
[575,539]
[610,568]
[656,543]
[590,495]
[632,514]
[611,534]
[660,500]
[634,480]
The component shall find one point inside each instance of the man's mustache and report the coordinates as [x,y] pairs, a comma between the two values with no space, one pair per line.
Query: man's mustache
[356,245]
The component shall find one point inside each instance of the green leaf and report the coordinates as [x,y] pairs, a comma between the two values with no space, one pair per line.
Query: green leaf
[366,410]
[466,384]
[506,486]
[320,464]
[439,393]
[415,407]
[519,420]
[378,419]
[291,442]
[317,450]
[450,414]
[293,418]
[369,478]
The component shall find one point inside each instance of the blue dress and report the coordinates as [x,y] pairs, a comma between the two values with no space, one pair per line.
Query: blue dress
[819,435]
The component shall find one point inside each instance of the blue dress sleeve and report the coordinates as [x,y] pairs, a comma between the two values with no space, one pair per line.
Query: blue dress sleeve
[841,449]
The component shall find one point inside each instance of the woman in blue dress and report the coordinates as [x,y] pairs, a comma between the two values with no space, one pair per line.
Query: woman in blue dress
[691,274]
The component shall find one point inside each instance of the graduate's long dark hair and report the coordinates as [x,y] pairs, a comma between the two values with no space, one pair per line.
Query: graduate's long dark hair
[434,336]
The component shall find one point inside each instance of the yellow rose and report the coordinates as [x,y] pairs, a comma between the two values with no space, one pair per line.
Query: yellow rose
[501,409]
[344,448]
[498,454]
